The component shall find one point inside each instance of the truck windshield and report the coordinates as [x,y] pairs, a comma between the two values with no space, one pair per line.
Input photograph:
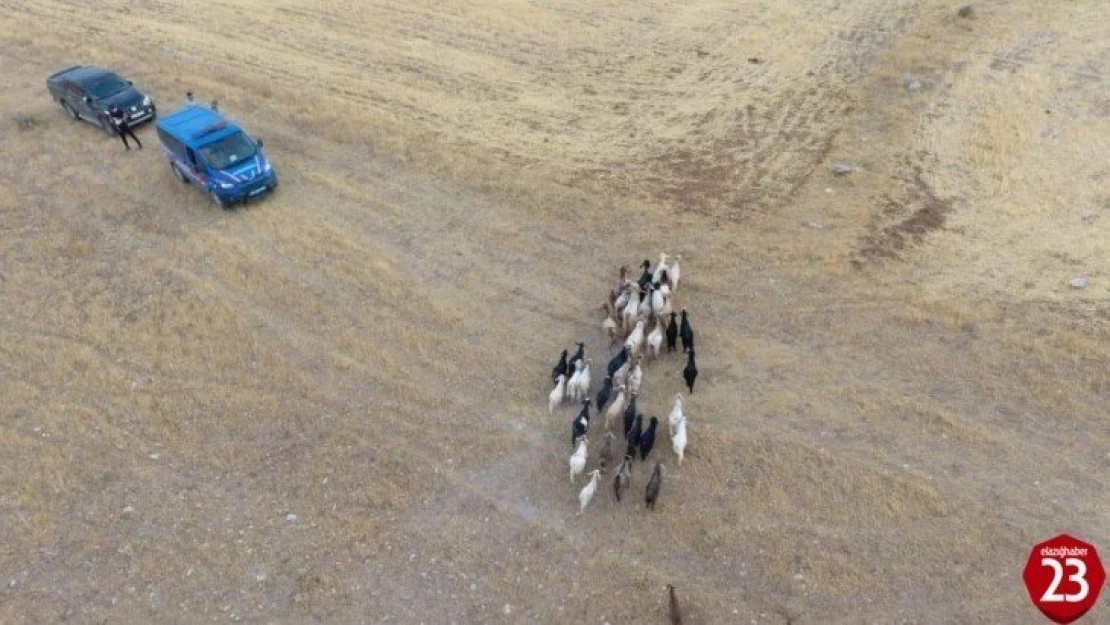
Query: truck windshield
[106,85]
[228,151]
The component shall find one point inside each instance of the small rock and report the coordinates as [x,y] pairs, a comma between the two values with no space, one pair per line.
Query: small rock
[292,518]
[799,577]
[154,456]
[966,12]
[815,225]
[841,169]
[508,609]
[755,60]
[129,509]
[911,83]
[1079,282]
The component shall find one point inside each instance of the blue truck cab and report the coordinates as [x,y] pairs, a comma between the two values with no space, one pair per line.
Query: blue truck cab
[206,149]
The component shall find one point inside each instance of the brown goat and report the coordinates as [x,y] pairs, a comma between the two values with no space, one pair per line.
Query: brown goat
[676,613]
[623,479]
[653,486]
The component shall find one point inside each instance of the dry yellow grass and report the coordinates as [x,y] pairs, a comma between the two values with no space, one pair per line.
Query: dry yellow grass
[892,408]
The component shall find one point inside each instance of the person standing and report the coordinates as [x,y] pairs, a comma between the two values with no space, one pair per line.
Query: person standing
[123,126]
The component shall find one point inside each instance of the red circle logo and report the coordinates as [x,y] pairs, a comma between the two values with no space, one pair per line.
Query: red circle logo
[1064,576]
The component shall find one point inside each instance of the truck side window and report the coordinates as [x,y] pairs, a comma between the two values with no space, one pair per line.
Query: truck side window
[192,156]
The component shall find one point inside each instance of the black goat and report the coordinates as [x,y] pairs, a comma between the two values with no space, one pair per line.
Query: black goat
[617,361]
[645,278]
[647,439]
[686,333]
[629,415]
[604,393]
[690,373]
[672,334]
[560,368]
[633,438]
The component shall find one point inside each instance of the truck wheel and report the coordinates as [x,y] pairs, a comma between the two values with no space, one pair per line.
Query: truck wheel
[69,110]
[180,175]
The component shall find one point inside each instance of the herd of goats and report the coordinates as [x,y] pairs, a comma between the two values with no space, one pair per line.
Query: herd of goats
[631,307]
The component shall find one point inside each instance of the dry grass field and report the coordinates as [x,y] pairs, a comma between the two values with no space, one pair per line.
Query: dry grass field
[330,406]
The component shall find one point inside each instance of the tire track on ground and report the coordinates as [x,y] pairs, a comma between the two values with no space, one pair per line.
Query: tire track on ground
[774,141]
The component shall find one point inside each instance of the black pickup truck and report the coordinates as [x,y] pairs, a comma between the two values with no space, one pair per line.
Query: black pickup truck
[87,92]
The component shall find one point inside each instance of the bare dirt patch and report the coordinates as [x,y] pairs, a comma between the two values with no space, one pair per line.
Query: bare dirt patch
[926,213]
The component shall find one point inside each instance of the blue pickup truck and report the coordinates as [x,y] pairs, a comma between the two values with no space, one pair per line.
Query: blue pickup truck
[207,149]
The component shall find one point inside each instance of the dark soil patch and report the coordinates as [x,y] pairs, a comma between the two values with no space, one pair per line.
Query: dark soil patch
[926,213]
[24,121]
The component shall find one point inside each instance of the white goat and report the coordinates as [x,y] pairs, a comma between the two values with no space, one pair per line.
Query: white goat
[658,299]
[578,459]
[660,267]
[621,374]
[572,385]
[636,339]
[622,299]
[628,314]
[678,440]
[581,380]
[587,492]
[616,408]
[635,377]
[558,394]
[666,310]
[676,413]
[655,339]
